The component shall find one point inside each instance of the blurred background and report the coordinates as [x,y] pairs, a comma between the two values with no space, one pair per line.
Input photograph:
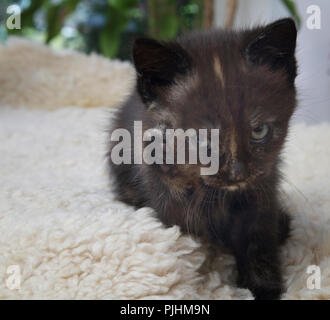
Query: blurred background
[108,27]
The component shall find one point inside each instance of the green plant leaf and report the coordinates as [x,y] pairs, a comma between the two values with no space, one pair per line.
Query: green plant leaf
[53,23]
[109,43]
[110,36]
[163,19]
[56,15]
[123,4]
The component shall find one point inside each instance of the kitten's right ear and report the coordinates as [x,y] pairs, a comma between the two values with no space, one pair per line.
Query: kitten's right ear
[275,46]
[157,64]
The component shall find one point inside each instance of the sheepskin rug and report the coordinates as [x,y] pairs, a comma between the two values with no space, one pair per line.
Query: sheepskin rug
[60,226]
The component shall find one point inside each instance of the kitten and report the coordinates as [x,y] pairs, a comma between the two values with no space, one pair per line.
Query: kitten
[242,83]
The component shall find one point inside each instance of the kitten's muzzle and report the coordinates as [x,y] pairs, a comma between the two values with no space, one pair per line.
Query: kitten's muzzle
[237,172]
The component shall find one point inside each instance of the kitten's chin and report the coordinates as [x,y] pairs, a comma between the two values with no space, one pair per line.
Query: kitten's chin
[235,187]
[228,187]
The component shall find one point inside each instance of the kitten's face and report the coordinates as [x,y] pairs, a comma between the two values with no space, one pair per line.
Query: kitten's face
[241,84]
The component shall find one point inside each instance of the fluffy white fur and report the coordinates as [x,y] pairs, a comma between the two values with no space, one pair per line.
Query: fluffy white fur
[34,76]
[61,225]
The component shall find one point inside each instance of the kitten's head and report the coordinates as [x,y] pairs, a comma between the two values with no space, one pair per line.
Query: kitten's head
[241,83]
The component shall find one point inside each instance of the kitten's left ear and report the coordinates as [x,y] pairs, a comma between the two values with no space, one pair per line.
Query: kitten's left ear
[158,64]
[275,46]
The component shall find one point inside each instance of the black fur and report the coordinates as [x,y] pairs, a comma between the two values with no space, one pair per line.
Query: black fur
[255,77]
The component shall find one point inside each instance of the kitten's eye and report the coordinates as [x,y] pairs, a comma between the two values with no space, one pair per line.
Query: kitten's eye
[260,133]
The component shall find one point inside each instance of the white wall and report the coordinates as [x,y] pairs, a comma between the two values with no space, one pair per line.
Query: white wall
[314,61]
[250,12]
[313,51]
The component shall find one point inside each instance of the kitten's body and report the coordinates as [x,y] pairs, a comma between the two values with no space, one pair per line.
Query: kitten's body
[233,81]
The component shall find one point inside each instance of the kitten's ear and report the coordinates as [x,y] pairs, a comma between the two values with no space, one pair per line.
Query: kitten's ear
[157,65]
[275,46]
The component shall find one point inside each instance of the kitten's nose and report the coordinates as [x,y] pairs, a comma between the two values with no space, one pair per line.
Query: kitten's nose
[238,172]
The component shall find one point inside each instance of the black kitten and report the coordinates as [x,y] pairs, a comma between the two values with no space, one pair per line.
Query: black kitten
[241,83]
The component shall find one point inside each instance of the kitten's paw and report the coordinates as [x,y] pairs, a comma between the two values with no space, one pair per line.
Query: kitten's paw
[271,291]
[267,293]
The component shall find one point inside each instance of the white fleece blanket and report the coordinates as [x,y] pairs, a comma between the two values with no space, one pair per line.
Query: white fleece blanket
[63,236]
